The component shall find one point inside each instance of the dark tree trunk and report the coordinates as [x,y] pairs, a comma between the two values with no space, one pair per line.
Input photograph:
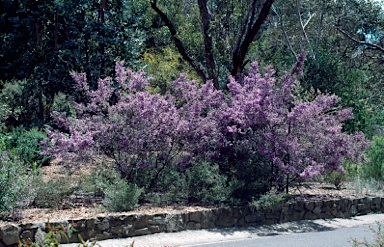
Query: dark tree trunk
[208,43]
[240,52]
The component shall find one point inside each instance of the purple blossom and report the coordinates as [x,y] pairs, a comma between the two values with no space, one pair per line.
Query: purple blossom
[260,116]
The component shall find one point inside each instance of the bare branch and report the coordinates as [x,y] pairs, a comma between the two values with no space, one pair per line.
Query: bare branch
[284,32]
[371,45]
[301,23]
[309,19]
[178,43]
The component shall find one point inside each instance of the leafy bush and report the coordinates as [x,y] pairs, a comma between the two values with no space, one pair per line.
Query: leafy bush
[26,144]
[121,196]
[51,194]
[17,188]
[206,185]
[338,179]
[270,200]
[12,109]
[375,167]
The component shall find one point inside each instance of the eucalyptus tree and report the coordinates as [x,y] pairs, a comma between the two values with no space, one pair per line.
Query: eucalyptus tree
[224,30]
[344,40]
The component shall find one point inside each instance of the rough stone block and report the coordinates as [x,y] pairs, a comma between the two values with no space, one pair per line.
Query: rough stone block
[103,236]
[225,220]
[9,234]
[317,210]
[195,216]
[26,235]
[310,206]
[34,226]
[88,234]
[255,217]
[175,222]
[353,210]
[90,223]
[341,214]
[140,221]
[275,214]
[39,237]
[157,220]
[143,231]
[121,231]
[310,216]
[298,206]
[154,229]
[102,224]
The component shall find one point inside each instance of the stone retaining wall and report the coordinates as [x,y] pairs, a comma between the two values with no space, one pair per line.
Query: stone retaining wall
[101,228]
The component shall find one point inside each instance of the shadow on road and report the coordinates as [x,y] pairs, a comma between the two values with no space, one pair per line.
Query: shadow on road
[270,230]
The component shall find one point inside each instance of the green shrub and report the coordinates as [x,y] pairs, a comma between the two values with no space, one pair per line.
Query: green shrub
[352,170]
[338,179]
[52,193]
[26,144]
[17,190]
[270,200]
[98,180]
[107,182]
[121,196]
[206,184]
[375,167]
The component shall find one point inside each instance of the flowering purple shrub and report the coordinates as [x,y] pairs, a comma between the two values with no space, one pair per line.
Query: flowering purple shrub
[257,127]
[297,139]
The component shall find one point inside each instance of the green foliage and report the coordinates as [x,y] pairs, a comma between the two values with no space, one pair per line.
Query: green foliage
[56,235]
[121,196]
[336,178]
[206,184]
[26,145]
[16,185]
[352,170]
[164,67]
[249,177]
[375,167]
[12,106]
[270,200]
[44,41]
[51,194]
[378,240]
[62,103]
[97,180]
[171,187]
[87,243]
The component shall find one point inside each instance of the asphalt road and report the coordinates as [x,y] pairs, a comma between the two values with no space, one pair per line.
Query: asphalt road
[315,233]
[341,237]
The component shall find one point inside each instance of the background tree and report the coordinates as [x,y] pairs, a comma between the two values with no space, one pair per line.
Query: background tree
[44,41]
[335,64]
[226,28]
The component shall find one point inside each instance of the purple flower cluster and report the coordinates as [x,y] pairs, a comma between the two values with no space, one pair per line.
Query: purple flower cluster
[260,114]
